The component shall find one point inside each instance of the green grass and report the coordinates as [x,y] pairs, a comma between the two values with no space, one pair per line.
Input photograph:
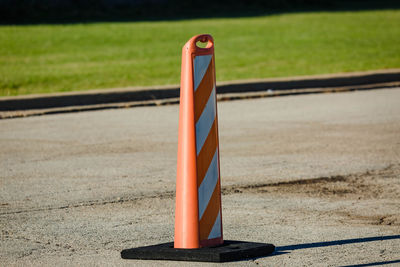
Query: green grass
[56,58]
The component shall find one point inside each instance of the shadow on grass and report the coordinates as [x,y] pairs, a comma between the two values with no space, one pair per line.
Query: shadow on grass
[27,12]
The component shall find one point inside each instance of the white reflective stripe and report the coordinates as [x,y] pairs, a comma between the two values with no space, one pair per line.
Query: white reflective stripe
[200,66]
[216,230]
[205,121]
[208,184]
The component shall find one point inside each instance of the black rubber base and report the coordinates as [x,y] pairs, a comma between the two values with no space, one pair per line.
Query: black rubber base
[229,251]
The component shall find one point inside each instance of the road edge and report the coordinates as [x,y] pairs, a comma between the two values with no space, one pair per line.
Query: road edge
[22,106]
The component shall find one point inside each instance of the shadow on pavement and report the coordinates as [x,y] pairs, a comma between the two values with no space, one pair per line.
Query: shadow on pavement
[373,263]
[336,242]
[286,249]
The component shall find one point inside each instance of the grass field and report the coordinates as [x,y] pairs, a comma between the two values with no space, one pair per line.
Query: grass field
[55,58]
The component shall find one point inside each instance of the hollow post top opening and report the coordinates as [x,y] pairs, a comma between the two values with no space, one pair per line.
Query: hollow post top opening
[192,46]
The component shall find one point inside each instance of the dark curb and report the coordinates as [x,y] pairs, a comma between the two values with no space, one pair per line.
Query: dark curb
[115,98]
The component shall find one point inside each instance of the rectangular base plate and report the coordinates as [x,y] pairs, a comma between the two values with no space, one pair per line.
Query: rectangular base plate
[228,251]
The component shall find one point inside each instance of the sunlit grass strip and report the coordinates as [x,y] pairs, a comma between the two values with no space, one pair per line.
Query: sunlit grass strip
[55,58]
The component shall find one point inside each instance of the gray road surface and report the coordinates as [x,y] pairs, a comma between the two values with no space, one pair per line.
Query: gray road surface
[301,172]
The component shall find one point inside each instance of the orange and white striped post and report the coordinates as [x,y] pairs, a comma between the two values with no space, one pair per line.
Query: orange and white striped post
[198,218]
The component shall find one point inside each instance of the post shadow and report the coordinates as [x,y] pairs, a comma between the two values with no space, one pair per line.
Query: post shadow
[286,249]
[336,242]
[377,263]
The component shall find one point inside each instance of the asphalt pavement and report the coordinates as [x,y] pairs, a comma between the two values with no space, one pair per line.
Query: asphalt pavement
[305,173]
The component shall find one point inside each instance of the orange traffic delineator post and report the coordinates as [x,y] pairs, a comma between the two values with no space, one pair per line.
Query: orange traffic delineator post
[198,211]
[198,220]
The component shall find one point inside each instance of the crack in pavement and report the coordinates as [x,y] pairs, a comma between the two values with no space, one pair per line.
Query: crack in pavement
[337,185]
[45,244]
[165,194]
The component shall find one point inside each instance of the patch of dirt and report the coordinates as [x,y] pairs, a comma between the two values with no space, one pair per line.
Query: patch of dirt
[368,198]
[375,184]
[354,218]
